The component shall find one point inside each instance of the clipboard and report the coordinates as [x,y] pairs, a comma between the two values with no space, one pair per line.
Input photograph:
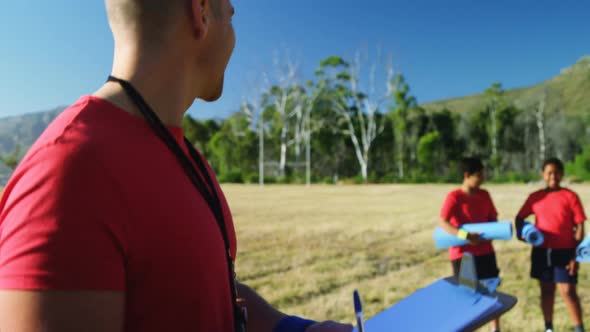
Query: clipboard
[448,305]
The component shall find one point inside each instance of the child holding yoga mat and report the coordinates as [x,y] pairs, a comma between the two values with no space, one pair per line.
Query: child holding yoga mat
[559,216]
[466,205]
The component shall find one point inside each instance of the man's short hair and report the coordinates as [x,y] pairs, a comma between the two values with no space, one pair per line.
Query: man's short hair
[470,165]
[555,162]
[150,18]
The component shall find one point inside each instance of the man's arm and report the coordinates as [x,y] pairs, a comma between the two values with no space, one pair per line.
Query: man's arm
[573,266]
[579,235]
[518,225]
[262,317]
[525,211]
[61,311]
[55,238]
[446,225]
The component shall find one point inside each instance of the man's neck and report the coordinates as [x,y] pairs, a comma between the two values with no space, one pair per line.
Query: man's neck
[550,189]
[468,190]
[162,82]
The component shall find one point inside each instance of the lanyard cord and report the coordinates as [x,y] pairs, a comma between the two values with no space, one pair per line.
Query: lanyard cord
[207,191]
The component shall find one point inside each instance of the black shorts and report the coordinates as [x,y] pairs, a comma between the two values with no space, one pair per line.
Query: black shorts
[550,265]
[485,266]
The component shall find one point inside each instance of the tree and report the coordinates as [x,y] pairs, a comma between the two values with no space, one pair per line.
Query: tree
[446,124]
[404,104]
[495,101]
[254,114]
[540,120]
[12,159]
[429,152]
[233,149]
[284,98]
[310,97]
[580,166]
[340,81]
[199,133]
[253,109]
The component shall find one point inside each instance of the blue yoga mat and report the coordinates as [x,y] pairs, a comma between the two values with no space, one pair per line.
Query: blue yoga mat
[488,230]
[532,234]
[440,307]
[583,251]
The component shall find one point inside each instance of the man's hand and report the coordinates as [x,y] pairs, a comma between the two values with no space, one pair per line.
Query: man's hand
[329,326]
[572,267]
[474,238]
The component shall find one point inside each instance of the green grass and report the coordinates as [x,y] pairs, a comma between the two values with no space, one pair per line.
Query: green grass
[306,249]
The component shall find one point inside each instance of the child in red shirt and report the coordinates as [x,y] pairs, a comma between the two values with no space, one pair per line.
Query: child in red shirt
[560,216]
[471,204]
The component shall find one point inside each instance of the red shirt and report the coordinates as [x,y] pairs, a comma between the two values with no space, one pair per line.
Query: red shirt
[100,203]
[556,214]
[461,208]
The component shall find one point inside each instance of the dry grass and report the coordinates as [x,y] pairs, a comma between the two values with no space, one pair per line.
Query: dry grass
[306,249]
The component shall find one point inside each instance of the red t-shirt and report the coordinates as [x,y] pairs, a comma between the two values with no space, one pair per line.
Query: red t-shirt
[461,208]
[556,214]
[100,203]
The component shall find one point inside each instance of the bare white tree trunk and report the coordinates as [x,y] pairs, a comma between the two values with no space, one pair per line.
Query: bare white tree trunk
[355,142]
[540,117]
[494,129]
[299,131]
[400,157]
[308,146]
[261,151]
[287,77]
[283,155]
[305,109]
[253,109]
[366,108]
[528,162]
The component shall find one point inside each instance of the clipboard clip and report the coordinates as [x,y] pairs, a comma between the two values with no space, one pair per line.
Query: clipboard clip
[468,277]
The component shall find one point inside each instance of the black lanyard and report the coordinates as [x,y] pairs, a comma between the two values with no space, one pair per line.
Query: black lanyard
[205,186]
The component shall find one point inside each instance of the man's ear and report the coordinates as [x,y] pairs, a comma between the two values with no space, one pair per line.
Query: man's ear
[200,20]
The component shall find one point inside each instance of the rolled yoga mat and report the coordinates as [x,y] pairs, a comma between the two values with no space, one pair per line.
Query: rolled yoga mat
[583,250]
[501,230]
[532,234]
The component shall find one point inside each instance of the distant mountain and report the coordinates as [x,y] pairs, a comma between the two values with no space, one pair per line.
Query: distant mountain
[569,91]
[22,131]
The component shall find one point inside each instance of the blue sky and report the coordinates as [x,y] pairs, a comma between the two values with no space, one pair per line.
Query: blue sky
[53,51]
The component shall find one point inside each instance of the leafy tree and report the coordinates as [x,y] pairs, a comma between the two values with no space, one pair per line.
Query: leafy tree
[234,149]
[404,104]
[12,159]
[580,166]
[429,152]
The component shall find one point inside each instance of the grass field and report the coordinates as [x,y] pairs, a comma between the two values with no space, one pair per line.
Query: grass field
[306,249]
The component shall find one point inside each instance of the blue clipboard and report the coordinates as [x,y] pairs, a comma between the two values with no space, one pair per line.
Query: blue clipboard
[447,305]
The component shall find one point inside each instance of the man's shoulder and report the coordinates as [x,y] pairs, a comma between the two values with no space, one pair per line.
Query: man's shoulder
[569,193]
[455,193]
[89,127]
[484,192]
[538,194]
[83,134]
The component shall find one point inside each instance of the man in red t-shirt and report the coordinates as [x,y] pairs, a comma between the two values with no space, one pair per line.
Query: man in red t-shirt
[560,216]
[101,225]
[471,204]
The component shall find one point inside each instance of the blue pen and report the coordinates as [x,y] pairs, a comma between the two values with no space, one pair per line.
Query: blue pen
[358,310]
